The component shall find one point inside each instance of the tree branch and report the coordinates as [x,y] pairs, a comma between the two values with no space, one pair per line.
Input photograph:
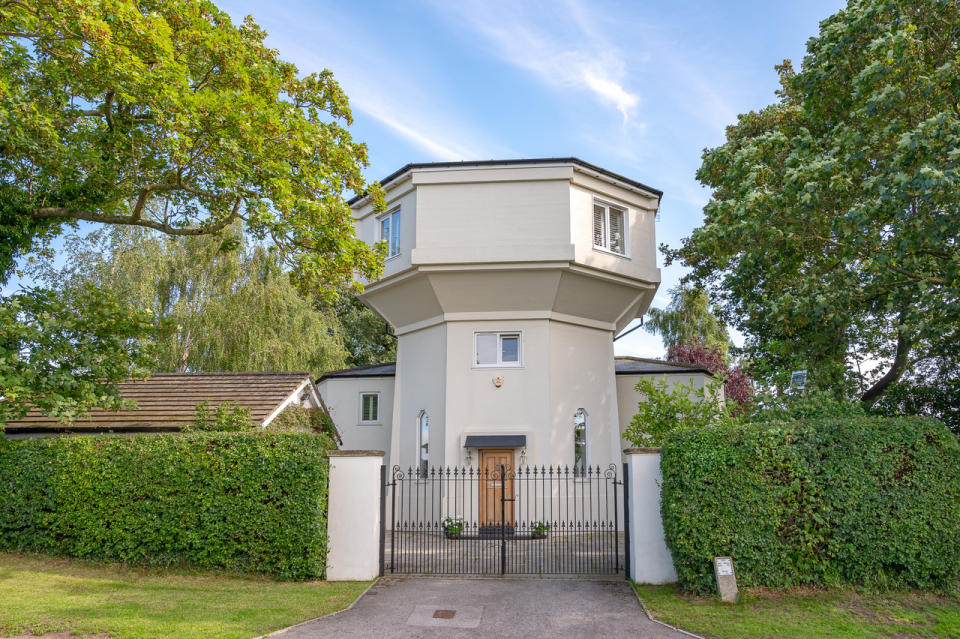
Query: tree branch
[900,362]
[48,213]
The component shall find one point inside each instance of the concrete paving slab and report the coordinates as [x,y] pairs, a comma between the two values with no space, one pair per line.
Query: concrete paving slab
[421,607]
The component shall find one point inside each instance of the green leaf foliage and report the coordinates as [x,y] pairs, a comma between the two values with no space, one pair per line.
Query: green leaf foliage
[305,420]
[688,317]
[221,303]
[164,114]
[64,354]
[669,407]
[248,502]
[865,501]
[225,417]
[831,235]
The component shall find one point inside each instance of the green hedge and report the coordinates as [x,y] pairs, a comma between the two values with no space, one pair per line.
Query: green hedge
[866,501]
[248,502]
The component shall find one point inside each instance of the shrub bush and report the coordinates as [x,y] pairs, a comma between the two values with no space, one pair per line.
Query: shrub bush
[225,417]
[248,502]
[865,501]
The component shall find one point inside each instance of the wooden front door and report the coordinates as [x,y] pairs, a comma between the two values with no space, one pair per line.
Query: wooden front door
[492,485]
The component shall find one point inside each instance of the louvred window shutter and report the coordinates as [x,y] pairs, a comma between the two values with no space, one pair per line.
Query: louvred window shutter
[616,230]
[599,226]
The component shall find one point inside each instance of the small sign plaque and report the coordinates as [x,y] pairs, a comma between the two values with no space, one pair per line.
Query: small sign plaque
[726,579]
[724,566]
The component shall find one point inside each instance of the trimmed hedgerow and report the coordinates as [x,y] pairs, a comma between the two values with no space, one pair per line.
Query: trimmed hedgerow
[247,502]
[865,501]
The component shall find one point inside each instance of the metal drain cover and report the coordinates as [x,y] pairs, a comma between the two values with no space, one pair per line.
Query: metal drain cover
[440,616]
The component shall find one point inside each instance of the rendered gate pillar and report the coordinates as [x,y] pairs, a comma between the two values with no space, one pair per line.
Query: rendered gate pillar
[353,515]
[650,559]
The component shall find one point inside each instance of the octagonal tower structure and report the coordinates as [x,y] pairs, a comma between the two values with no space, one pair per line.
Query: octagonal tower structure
[506,284]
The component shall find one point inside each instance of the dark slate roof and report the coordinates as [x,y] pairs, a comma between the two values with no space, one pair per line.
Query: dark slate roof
[643,366]
[373,370]
[622,366]
[519,162]
[168,402]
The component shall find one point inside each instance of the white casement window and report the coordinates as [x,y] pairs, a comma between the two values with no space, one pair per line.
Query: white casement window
[496,349]
[580,439]
[369,408]
[423,444]
[609,228]
[390,232]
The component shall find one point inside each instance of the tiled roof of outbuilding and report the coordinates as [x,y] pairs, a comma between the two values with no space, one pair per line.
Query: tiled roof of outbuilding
[643,366]
[168,401]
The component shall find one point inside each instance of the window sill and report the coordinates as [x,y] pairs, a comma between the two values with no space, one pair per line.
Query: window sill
[370,424]
[392,257]
[487,367]
[600,249]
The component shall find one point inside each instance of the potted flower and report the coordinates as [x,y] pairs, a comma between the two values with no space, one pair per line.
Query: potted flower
[539,530]
[452,527]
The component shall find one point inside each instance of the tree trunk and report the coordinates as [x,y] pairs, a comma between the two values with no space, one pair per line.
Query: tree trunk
[896,371]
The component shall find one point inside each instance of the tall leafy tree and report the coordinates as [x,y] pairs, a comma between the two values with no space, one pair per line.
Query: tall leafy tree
[832,230]
[220,303]
[164,115]
[687,317]
[109,106]
[366,335]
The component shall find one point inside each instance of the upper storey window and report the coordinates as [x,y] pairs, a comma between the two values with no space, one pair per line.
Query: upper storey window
[609,228]
[390,232]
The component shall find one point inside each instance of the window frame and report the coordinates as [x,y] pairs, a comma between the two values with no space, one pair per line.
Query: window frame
[500,335]
[365,422]
[423,465]
[391,216]
[605,248]
[586,440]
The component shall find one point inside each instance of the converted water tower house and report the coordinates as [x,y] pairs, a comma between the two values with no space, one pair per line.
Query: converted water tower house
[506,283]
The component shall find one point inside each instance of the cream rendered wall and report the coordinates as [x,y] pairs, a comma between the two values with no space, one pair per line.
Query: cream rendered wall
[492,221]
[342,398]
[420,381]
[582,376]
[475,406]
[628,398]
[641,258]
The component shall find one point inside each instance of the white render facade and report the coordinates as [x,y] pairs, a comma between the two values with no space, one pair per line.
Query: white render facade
[506,283]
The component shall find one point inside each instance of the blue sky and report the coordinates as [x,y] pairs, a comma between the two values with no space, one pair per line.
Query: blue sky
[640,88]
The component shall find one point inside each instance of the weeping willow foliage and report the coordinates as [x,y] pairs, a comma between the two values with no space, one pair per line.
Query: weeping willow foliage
[221,303]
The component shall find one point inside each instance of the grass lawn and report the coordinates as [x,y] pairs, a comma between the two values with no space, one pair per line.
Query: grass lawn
[42,594]
[788,614]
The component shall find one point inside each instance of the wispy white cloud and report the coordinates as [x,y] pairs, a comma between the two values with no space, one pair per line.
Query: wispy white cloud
[557,43]
[383,86]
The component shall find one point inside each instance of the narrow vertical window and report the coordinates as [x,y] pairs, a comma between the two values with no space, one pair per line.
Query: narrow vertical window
[580,441]
[390,232]
[423,443]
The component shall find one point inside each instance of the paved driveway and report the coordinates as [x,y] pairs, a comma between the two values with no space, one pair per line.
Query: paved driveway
[425,607]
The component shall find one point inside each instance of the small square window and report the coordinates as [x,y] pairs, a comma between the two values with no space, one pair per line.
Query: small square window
[497,349]
[369,408]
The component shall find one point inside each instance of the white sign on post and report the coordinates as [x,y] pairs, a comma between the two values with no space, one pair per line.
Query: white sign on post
[726,580]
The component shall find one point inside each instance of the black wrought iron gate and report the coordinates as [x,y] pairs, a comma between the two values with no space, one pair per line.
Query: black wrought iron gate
[502,521]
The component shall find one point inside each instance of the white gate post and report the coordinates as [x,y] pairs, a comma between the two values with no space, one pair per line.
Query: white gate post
[353,515]
[650,559]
